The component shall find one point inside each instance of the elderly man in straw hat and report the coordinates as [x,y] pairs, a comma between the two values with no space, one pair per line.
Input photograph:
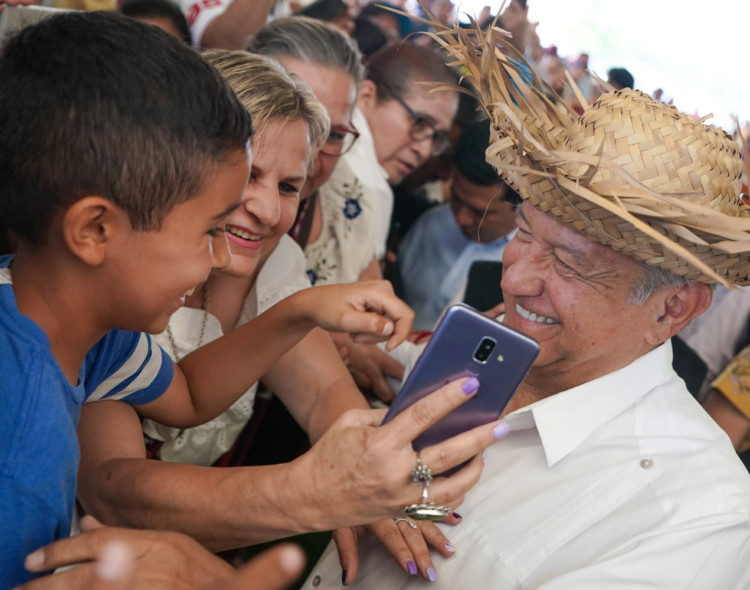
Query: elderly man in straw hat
[612,475]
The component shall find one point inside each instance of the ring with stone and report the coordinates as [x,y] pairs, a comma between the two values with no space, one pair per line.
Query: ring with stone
[425,510]
[408,521]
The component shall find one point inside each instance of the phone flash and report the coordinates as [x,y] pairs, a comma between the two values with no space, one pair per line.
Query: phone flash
[500,358]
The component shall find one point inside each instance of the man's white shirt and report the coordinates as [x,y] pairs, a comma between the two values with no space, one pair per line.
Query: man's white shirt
[622,482]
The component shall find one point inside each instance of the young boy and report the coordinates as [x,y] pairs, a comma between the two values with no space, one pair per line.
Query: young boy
[121,154]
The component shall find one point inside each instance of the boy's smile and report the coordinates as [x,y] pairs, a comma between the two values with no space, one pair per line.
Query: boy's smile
[160,268]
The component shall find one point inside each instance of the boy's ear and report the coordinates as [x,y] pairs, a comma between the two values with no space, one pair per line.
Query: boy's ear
[367,98]
[676,307]
[88,227]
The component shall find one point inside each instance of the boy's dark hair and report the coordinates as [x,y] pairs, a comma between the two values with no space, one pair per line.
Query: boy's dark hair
[469,159]
[158,9]
[95,103]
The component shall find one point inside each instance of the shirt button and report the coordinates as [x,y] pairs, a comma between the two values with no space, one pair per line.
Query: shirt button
[647,463]
[316,581]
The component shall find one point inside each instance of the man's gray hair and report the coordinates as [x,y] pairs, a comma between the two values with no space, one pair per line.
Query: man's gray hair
[651,280]
[311,41]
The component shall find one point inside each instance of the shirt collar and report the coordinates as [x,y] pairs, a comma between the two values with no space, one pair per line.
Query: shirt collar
[565,420]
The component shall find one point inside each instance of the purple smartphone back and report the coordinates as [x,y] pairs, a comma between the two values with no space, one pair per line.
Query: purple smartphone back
[450,355]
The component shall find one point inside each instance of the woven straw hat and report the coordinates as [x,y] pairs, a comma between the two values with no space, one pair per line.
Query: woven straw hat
[631,173]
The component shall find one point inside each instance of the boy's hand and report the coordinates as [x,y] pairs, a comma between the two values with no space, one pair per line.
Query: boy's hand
[368,310]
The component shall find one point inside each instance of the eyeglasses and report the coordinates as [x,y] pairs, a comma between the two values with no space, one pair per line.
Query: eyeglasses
[340,140]
[421,128]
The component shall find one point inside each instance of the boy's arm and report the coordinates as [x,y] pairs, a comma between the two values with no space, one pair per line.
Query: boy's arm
[211,378]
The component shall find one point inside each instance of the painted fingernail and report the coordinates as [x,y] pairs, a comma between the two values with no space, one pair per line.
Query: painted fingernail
[34,560]
[411,567]
[457,515]
[470,385]
[343,577]
[500,430]
[431,574]
[388,328]
[450,548]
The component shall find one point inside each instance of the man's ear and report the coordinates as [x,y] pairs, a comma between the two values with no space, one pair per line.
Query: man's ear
[675,308]
[88,227]
[367,98]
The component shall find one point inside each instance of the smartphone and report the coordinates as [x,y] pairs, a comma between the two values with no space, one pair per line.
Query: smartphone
[483,284]
[15,18]
[467,343]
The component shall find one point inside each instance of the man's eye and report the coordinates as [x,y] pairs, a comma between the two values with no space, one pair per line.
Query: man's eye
[288,188]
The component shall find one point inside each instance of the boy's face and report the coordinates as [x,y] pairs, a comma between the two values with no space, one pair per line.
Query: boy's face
[152,271]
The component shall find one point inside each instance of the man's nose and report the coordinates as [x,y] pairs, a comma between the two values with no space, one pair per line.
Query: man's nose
[524,274]
[464,216]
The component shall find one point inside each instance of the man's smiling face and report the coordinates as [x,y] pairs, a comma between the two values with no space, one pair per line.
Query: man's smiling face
[571,295]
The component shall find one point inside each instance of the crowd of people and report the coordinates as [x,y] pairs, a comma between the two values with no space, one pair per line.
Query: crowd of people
[213,206]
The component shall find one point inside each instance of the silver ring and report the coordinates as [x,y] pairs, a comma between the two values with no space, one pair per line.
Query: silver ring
[421,475]
[408,521]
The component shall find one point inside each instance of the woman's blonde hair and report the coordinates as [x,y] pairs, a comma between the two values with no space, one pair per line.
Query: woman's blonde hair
[270,92]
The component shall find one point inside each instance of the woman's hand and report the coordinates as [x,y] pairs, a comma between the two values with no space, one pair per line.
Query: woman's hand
[407,540]
[369,366]
[362,471]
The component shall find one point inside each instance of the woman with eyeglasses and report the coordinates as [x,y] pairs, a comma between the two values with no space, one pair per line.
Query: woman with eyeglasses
[401,124]
[346,201]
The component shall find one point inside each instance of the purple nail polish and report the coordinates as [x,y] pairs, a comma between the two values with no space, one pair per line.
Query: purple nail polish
[457,515]
[431,574]
[411,567]
[500,430]
[470,385]
[343,577]
[450,548]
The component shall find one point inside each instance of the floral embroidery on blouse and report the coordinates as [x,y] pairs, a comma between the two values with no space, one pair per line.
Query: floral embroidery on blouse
[320,271]
[352,193]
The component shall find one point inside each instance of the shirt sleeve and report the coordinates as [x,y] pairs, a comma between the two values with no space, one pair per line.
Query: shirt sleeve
[26,524]
[128,366]
[200,13]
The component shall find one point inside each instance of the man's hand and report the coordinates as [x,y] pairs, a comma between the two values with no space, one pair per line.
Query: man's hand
[109,558]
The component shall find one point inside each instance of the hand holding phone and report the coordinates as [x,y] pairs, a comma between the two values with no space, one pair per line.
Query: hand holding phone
[467,343]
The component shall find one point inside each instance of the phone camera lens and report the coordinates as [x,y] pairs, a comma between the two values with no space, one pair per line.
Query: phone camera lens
[483,351]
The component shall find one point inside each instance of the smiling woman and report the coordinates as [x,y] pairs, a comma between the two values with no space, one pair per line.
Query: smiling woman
[290,126]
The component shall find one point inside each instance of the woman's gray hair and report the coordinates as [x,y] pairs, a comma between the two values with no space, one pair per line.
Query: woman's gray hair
[651,280]
[311,41]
